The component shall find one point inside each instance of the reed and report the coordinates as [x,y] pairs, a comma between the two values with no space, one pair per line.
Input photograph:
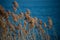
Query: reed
[8,27]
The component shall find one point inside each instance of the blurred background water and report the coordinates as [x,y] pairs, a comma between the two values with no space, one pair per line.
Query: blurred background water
[39,8]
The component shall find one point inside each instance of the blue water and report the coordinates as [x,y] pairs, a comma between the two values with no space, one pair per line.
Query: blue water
[38,8]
